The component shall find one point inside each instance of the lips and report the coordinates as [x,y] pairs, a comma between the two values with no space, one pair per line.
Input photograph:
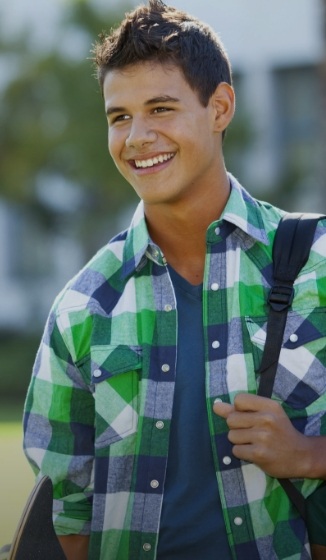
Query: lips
[152,162]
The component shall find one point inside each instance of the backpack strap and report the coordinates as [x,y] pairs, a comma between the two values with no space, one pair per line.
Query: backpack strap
[291,249]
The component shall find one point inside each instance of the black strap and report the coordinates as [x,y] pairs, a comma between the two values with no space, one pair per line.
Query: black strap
[291,250]
[295,496]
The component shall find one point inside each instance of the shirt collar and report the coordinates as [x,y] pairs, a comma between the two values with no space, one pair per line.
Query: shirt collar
[139,246]
[241,209]
[244,211]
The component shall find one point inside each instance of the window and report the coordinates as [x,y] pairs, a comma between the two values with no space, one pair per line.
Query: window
[297,112]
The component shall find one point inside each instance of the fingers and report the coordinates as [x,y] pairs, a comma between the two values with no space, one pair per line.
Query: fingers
[234,419]
[245,402]
[249,411]
[261,433]
[242,420]
[244,452]
[240,437]
[222,409]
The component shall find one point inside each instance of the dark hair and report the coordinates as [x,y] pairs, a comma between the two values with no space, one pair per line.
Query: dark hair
[161,33]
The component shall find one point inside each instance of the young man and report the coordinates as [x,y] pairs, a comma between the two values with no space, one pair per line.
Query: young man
[143,405]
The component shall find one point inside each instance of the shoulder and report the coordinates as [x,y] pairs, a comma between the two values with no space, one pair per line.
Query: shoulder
[102,271]
[257,218]
[319,244]
[271,217]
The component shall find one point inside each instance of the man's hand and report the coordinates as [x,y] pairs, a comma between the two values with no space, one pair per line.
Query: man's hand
[75,547]
[263,434]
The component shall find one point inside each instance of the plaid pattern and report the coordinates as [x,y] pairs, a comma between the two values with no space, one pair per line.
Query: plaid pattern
[99,405]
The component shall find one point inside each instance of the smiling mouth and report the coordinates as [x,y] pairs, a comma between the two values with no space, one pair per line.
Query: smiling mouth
[151,162]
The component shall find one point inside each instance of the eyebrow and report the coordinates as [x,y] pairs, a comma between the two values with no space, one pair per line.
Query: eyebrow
[152,101]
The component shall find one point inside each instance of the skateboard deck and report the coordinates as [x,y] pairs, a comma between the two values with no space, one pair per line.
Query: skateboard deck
[35,538]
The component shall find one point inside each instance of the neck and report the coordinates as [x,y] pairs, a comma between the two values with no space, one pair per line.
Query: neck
[180,230]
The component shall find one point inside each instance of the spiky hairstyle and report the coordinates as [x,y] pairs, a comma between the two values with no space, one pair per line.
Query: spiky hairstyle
[161,33]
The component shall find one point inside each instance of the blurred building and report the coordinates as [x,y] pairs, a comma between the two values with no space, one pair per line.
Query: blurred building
[275,49]
[35,263]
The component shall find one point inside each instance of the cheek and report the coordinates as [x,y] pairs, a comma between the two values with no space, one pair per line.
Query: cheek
[111,143]
[115,146]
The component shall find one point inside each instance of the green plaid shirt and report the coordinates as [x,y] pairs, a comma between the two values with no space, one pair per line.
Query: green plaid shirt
[99,406]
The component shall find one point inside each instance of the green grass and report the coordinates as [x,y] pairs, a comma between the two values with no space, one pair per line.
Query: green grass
[16,479]
[16,476]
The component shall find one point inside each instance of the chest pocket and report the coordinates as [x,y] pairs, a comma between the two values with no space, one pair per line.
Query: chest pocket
[114,372]
[301,373]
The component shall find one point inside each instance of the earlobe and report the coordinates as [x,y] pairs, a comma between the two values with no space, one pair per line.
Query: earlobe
[224,105]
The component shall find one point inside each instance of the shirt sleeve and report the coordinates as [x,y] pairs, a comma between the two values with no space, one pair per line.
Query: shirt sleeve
[59,431]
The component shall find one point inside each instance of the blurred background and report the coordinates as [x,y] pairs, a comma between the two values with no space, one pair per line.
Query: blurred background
[61,198]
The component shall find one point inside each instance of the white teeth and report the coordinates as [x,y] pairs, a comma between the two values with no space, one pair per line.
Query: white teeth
[151,162]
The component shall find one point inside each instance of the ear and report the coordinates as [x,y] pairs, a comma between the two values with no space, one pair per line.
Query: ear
[223,100]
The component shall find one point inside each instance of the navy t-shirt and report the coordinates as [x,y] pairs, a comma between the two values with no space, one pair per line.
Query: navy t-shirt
[192,525]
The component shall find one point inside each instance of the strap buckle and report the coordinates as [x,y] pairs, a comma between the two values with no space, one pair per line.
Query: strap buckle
[281,297]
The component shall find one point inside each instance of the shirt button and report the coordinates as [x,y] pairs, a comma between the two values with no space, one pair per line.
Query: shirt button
[214,286]
[154,483]
[294,338]
[167,307]
[217,231]
[215,344]
[165,368]
[238,521]
[159,424]
[97,373]
[227,460]
[147,547]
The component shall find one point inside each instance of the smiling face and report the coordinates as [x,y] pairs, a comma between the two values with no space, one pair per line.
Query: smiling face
[161,138]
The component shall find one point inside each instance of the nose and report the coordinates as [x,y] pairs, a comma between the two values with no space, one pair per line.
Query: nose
[140,133]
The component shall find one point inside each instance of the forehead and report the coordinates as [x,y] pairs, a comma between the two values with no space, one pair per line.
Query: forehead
[143,81]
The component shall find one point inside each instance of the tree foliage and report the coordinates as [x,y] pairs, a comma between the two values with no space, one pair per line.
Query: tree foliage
[52,122]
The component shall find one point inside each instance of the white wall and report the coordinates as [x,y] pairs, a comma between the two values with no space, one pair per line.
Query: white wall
[263,32]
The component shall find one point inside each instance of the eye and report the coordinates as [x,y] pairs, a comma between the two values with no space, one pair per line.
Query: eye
[118,118]
[161,109]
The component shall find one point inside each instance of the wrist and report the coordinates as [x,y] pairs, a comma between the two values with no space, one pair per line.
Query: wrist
[313,458]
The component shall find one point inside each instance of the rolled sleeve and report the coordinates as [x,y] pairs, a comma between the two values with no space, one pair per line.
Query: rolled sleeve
[59,431]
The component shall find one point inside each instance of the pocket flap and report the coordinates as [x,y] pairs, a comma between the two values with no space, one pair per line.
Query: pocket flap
[106,361]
